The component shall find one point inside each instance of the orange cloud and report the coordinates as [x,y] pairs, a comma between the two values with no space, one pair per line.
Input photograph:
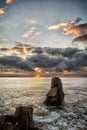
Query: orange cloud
[8,1]
[2,11]
[59,25]
[75,31]
[64,24]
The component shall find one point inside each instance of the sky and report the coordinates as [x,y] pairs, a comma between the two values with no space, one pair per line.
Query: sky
[43,36]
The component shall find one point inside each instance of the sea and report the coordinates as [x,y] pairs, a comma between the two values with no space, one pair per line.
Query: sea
[71,115]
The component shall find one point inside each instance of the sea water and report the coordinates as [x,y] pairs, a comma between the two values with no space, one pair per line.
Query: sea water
[72,115]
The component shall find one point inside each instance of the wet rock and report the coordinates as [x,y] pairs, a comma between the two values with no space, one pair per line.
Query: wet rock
[24,117]
[35,128]
[2,118]
[55,96]
[10,118]
[6,126]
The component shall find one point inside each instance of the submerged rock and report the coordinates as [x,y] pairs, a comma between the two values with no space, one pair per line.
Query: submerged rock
[55,96]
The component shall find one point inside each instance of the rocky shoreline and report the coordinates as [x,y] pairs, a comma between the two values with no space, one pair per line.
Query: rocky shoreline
[23,117]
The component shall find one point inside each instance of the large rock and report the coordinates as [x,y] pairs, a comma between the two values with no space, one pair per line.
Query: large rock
[55,96]
[24,117]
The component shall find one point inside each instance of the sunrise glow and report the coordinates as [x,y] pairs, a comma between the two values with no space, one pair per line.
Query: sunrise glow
[37,76]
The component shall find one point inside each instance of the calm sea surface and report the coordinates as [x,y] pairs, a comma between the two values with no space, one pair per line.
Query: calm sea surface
[72,115]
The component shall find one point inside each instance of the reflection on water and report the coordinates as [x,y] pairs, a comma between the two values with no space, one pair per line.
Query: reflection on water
[24,91]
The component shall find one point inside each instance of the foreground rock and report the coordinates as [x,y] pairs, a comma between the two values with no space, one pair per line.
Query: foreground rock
[55,96]
[23,120]
[24,117]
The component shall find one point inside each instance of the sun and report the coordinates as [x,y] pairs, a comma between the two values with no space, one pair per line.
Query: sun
[37,76]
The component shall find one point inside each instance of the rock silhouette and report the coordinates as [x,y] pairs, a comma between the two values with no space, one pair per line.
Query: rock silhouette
[55,96]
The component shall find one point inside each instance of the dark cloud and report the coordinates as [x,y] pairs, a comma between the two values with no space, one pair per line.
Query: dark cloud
[49,59]
[82,38]
[75,61]
[15,62]
[43,61]
[66,52]
[38,50]
[4,49]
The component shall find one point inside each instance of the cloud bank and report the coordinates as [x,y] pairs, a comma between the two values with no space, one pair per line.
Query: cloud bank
[48,59]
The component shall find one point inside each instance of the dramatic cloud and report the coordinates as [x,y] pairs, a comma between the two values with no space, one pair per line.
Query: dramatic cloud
[76,30]
[82,38]
[49,59]
[73,28]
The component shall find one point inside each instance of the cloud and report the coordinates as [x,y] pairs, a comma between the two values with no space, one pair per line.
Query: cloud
[31,33]
[3,5]
[44,61]
[38,50]
[64,24]
[73,28]
[22,49]
[76,30]
[65,52]
[15,62]
[4,49]
[31,22]
[48,59]
[1,11]
[82,38]
[9,1]
[75,62]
